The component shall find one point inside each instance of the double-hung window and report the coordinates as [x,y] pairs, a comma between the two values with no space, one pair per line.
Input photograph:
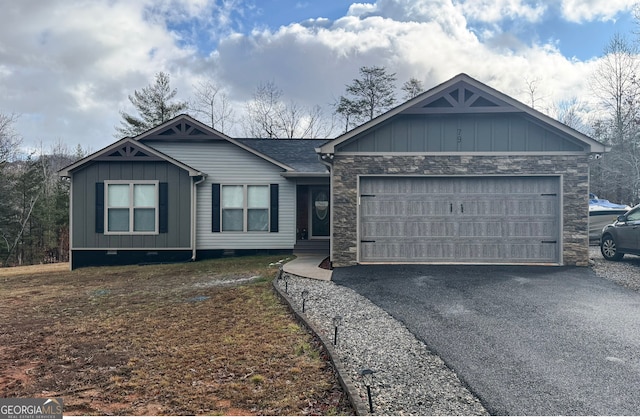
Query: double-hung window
[131,207]
[245,207]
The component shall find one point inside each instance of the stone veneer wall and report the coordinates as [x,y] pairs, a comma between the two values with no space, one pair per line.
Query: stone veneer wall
[575,189]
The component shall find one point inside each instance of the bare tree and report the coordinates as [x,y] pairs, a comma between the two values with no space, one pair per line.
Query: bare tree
[212,104]
[263,111]
[270,117]
[533,90]
[614,82]
[9,138]
[569,113]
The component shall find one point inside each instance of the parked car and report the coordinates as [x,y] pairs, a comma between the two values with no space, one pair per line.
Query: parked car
[601,213]
[623,236]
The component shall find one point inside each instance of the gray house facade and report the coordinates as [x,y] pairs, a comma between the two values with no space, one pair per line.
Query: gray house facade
[183,191]
[460,174]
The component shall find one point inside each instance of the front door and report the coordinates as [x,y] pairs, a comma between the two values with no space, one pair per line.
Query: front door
[320,211]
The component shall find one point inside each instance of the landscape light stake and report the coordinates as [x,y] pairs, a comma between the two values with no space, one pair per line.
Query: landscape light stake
[337,321]
[367,379]
[286,284]
[305,294]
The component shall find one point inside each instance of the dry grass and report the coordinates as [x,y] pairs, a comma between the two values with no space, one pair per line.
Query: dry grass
[204,338]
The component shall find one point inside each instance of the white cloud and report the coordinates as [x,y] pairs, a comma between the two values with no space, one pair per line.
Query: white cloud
[590,10]
[67,67]
[313,63]
[71,64]
[492,11]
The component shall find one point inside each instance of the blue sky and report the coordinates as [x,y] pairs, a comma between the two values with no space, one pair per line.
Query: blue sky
[66,68]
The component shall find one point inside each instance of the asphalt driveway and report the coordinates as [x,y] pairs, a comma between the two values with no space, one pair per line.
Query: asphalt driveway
[526,340]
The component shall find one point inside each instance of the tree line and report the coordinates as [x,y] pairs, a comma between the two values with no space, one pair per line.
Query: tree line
[268,114]
[34,201]
[616,174]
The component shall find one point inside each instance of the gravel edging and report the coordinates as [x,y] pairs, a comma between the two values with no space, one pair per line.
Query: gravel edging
[625,272]
[408,379]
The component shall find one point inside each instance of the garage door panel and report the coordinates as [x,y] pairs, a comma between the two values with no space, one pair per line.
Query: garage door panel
[532,252]
[543,229]
[384,229]
[412,251]
[482,229]
[474,220]
[390,206]
[531,207]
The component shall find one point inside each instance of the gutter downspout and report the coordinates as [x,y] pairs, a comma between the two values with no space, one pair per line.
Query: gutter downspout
[323,159]
[194,213]
[70,229]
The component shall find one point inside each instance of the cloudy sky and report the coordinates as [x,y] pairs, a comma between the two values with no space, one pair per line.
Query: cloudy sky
[67,66]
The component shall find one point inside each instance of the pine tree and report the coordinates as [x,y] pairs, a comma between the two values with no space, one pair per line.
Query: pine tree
[154,106]
[369,96]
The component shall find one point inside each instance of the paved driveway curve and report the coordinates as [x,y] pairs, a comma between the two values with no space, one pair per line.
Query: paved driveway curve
[526,340]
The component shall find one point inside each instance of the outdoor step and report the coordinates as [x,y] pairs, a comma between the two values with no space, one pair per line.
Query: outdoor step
[311,246]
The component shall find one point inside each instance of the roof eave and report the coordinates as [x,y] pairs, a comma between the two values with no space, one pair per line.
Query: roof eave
[66,171]
[305,174]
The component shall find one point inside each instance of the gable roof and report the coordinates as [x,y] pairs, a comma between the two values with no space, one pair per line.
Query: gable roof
[131,150]
[463,94]
[299,154]
[184,127]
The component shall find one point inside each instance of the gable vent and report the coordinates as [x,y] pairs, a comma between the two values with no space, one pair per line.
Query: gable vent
[128,151]
[439,103]
[482,102]
[170,131]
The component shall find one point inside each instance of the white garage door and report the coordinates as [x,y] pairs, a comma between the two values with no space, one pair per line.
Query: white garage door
[462,220]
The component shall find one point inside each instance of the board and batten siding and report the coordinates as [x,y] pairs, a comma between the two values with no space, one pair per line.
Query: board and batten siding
[460,133]
[227,164]
[83,203]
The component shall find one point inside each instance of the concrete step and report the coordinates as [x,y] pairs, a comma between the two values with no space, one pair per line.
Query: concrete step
[311,247]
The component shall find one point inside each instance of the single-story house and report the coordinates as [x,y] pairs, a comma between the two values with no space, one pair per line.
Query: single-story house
[460,174]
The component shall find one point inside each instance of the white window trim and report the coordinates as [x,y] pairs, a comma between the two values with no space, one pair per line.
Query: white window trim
[245,209]
[131,232]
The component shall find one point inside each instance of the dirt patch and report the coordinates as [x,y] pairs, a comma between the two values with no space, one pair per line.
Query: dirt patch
[205,338]
[325,264]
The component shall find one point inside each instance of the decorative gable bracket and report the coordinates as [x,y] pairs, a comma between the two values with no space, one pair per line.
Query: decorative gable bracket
[461,98]
[127,151]
[182,128]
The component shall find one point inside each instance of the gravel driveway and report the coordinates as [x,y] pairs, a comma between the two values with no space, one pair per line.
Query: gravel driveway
[525,340]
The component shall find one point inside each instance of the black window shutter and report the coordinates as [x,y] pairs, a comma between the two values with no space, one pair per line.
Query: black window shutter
[99,207]
[163,209]
[215,208]
[274,208]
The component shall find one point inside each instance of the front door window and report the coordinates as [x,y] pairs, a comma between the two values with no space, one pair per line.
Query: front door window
[320,212]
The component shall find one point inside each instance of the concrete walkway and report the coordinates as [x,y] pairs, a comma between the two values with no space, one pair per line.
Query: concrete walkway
[308,266]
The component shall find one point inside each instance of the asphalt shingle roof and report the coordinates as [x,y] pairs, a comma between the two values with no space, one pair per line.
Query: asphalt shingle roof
[297,153]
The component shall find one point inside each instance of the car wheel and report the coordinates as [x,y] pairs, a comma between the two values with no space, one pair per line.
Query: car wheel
[609,249]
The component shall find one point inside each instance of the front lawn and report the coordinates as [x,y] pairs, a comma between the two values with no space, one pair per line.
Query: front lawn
[203,338]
